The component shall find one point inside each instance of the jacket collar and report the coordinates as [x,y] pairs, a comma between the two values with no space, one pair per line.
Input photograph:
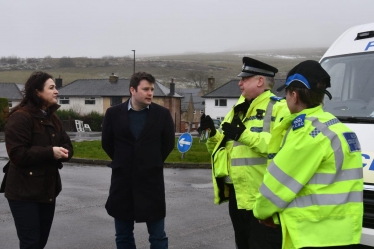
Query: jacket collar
[34,111]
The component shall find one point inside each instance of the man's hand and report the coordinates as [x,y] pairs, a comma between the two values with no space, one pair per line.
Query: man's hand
[268,222]
[206,122]
[233,131]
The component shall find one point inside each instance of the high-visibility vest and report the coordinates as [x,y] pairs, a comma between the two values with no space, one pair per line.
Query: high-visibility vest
[246,158]
[314,182]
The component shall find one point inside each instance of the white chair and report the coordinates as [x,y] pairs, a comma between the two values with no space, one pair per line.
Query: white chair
[87,127]
[79,125]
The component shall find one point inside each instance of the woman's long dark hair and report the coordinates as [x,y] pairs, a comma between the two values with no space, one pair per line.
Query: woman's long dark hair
[35,82]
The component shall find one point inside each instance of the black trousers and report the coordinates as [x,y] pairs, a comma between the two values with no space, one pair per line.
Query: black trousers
[33,222]
[249,233]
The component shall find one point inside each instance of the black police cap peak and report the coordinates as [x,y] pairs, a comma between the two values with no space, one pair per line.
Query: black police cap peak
[253,67]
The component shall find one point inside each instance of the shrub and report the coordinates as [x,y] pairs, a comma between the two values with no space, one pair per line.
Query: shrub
[65,114]
[94,119]
[4,108]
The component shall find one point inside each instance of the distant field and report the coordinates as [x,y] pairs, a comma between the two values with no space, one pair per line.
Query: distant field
[222,66]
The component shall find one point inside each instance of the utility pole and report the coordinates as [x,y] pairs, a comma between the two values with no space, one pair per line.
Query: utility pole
[134,60]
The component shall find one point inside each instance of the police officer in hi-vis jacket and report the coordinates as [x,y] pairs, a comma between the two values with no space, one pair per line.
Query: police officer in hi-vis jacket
[239,153]
[313,187]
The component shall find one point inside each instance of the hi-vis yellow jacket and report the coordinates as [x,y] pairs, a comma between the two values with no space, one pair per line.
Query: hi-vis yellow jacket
[246,158]
[314,182]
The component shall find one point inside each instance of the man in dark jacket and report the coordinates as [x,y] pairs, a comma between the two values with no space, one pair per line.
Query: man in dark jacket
[138,135]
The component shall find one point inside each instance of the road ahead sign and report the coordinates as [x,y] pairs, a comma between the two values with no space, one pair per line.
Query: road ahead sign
[184,142]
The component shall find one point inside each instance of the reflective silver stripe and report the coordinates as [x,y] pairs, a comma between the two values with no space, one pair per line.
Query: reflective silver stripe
[326,199]
[335,144]
[236,143]
[285,179]
[285,136]
[267,117]
[248,161]
[343,175]
[258,70]
[268,194]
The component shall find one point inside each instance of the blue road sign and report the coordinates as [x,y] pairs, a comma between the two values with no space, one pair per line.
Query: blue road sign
[184,142]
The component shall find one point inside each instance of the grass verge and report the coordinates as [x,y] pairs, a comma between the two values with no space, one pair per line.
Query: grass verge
[196,154]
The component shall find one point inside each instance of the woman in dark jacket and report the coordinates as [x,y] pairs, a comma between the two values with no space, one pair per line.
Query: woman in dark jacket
[36,144]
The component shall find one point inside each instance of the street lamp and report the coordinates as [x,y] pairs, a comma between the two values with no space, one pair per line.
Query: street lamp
[134,60]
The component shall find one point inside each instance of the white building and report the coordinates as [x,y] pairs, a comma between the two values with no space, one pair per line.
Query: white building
[220,101]
[86,95]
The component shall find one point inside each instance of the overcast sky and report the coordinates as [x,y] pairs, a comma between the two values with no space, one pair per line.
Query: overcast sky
[96,28]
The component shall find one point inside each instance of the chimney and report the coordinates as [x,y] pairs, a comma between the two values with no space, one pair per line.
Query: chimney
[58,82]
[113,78]
[172,87]
[211,82]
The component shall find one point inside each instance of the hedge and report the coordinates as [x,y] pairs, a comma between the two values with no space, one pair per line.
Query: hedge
[3,109]
[93,119]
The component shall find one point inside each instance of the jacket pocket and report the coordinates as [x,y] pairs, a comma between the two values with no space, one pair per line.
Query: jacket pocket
[221,163]
[32,184]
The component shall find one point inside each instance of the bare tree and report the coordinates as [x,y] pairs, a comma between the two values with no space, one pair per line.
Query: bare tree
[198,79]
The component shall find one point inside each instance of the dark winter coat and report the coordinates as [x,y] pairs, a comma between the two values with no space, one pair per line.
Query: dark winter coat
[33,173]
[137,189]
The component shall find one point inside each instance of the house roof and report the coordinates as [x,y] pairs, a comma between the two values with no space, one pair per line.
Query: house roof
[196,99]
[10,91]
[228,90]
[103,87]
[232,90]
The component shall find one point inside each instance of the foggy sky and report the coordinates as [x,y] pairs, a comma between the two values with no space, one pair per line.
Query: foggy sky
[96,28]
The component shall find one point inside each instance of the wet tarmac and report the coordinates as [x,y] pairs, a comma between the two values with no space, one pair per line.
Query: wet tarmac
[81,221]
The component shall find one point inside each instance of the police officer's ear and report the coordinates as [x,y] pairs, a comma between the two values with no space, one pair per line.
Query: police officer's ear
[261,80]
[294,97]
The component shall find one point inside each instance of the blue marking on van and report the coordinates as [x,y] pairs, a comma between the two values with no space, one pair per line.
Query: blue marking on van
[365,156]
[370,44]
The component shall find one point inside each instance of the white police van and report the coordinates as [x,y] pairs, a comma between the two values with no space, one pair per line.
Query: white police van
[350,63]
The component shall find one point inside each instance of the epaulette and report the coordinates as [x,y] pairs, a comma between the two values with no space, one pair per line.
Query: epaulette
[276,98]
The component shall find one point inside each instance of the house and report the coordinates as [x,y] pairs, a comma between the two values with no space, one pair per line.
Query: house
[12,92]
[192,107]
[220,101]
[88,95]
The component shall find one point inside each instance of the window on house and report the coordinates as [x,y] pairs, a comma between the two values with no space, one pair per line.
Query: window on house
[64,101]
[89,101]
[194,111]
[10,104]
[201,111]
[115,101]
[221,102]
[221,118]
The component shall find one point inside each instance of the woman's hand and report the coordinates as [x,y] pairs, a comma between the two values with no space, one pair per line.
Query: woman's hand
[60,152]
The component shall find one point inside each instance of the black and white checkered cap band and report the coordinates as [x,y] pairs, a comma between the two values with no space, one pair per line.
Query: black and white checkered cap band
[248,69]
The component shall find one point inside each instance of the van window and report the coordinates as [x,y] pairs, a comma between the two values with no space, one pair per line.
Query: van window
[352,85]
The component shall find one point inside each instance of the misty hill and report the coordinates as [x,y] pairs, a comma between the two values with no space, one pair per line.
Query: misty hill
[222,66]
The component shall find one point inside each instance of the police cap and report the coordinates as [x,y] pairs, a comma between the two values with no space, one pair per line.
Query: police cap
[253,67]
[308,74]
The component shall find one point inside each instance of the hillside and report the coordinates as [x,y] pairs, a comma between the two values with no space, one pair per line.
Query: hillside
[222,66]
